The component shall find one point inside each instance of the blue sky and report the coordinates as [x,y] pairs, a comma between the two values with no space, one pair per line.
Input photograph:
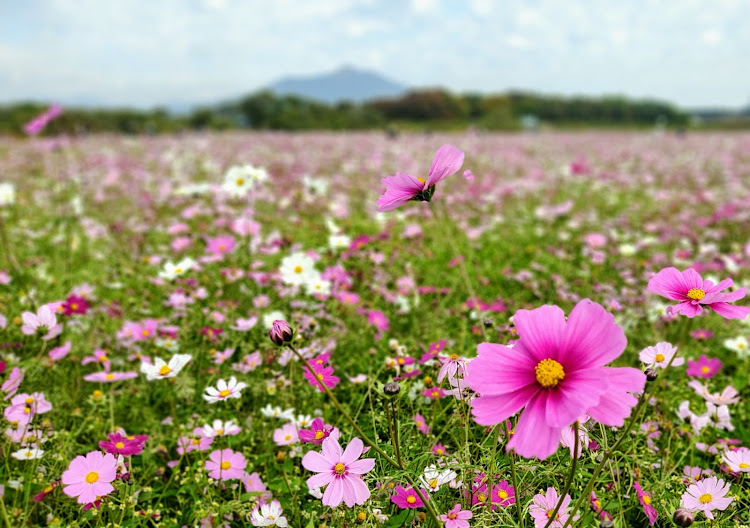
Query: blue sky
[148,52]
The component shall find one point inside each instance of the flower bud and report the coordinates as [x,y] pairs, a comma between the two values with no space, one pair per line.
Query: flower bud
[683,517]
[488,323]
[651,374]
[280,332]
[391,388]
[606,524]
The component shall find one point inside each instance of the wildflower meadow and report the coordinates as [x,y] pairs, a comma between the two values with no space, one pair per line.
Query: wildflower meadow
[332,330]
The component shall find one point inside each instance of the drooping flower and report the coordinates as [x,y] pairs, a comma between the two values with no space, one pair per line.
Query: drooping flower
[456,517]
[645,500]
[704,367]
[707,495]
[402,188]
[543,506]
[159,369]
[225,464]
[224,390]
[407,498]
[88,478]
[340,471]
[693,293]
[556,373]
[659,356]
[110,377]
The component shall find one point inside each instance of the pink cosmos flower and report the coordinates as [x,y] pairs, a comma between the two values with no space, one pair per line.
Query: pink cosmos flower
[704,367]
[220,245]
[403,188]
[10,386]
[89,477]
[660,355]
[707,495]
[555,372]
[421,424]
[36,401]
[407,498]
[542,507]
[186,444]
[694,293]
[43,320]
[323,376]
[340,471]
[453,366]
[738,461]
[286,435]
[110,377]
[645,500]
[58,353]
[456,518]
[225,464]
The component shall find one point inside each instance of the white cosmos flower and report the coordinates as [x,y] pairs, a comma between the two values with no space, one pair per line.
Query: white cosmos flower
[739,345]
[433,477]
[159,369]
[219,428]
[276,412]
[317,286]
[224,390]
[297,268]
[171,270]
[339,241]
[7,194]
[269,514]
[238,180]
[27,454]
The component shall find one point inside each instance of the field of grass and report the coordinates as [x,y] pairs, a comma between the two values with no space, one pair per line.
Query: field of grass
[146,248]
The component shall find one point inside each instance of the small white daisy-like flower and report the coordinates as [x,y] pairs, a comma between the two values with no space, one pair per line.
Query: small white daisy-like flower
[269,514]
[297,269]
[160,369]
[433,477]
[276,412]
[339,241]
[739,345]
[224,390]
[7,194]
[28,454]
[171,270]
[219,428]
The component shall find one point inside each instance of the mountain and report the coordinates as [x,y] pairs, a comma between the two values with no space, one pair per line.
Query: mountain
[345,84]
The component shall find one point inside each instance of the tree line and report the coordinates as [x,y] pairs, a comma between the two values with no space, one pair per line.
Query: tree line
[418,109]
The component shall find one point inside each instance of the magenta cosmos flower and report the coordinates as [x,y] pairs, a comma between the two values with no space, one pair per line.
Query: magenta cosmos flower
[225,464]
[407,498]
[556,373]
[89,477]
[403,188]
[646,500]
[341,471]
[694,293]
[703,367]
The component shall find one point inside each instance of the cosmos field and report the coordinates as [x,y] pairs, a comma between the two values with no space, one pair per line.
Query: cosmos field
[223,330]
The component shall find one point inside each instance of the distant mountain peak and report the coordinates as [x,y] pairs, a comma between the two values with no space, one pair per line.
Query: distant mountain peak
[347,83]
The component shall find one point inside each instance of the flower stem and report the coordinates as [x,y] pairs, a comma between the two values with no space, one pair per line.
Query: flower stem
[571,476]
[514,478]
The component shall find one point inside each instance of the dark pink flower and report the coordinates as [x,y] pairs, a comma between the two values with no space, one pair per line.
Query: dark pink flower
[407,498]
[645,500]
[704,367]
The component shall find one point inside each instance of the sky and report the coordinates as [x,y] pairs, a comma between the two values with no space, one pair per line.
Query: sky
[145,53]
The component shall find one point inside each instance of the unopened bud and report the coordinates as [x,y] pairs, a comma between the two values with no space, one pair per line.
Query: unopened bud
[280,332]
[606,524]
[391,388]
[683,517]
[488,322]
[651,374]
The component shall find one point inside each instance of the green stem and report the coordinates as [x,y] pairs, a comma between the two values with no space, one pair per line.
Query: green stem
[396,444]
[571,476]
[514,478]
[424,499]
[491,474]
[5,513]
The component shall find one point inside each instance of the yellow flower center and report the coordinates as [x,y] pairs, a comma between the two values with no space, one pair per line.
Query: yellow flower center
[421,180]
[439,451]
[411,499]
[145,333]
[502,494]
[226,465]
[103,358]
[47,489]
[109,376]
[92,477]
[705,498]
[29,401]
[225,393]
[451,515]
[119,445]
[744,466]
[646,500]
[164,370]
[695,294]
[240,181]
[196,441]
[178,271]
[319,435]
[361,516]
[288,437]
[297,269]
[705,370]
[220,432]
[433,483]
[549,514]
[454,357]
[74,306]
[481,497]
[659,358]
[339,468]
[549,373]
